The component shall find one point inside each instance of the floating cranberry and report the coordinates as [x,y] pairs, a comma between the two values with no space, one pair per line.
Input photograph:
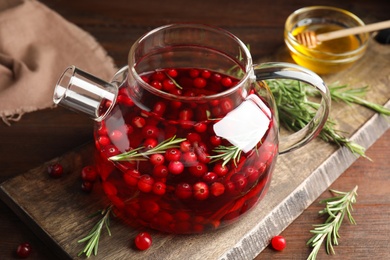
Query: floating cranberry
[200,127]
[23,250]
[210,177]
[226,82]
[173,154]
[150,143]
[175,167]
[150,131]
[159,188]
[200,82]
[159,75]
[157,84]
[216,77]
[239,180]
[168,85]
[104,140]
[160,171]
[194,73]
[220,169]
[157,159]
[145,183]
[183,191]
[143,241]
[198,170]
[139,121]
[206,74]
[278,243]
[55,170]
[116,136]
[172,73]
[200,191]
[131,177]
[217,189]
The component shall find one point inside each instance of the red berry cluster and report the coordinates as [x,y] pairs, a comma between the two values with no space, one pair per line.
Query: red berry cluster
[179,189]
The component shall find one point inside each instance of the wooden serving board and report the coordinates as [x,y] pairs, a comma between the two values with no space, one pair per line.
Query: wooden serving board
[57,210]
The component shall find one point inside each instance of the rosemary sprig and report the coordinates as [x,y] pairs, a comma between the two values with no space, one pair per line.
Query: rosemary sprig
[139,154]
[341,93]
[336,208]
[93,236]
[296,110]
[226,153]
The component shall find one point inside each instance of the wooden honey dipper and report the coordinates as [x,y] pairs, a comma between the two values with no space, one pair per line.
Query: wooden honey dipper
[310,39]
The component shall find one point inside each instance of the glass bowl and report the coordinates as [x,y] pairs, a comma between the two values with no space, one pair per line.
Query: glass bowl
[329,56]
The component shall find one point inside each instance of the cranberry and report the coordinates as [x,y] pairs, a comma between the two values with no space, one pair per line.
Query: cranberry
[183,191]
[172,73]
[172,154]
[87,186]
[159,75]
[159,188]
[278,243]
[145,183]
[89,173]
[55,170]
[216,77]
[217,189]
[194,73]
[200,190]
[131,177]
[209,177]
[186,114]
[215,140]
[150,131]
[198,170]
[139,121]
[160,171]
[150,143]
[168,85]
[189,158]
[156,84]
[200,82]
[159,108]
[175,167]
[200,127]
[220,170]
[143,241]
[24,250]
[226,82]
[239,180]
[185,146]
[104,140]
[157,159]
[206,74]
[116,136]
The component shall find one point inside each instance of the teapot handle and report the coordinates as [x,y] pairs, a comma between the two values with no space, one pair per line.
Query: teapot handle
[281,70]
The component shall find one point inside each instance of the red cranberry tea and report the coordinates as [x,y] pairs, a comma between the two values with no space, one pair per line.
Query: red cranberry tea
[178,165]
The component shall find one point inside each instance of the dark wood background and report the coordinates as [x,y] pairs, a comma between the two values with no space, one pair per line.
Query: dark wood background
[43,135]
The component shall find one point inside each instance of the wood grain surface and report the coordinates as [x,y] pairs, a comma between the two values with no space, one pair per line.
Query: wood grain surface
[47,134]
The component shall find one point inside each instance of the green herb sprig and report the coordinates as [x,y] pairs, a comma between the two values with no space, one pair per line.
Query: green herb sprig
[93,237]
[140,154]
[296,110]
[336,208]
[226,153]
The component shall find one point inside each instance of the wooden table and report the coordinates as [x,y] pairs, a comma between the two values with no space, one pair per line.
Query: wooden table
[43,135]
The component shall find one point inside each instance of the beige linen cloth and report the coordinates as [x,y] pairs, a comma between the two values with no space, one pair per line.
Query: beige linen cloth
[36,45]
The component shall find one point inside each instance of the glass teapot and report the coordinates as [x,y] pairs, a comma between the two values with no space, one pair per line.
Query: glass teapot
[187,134]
